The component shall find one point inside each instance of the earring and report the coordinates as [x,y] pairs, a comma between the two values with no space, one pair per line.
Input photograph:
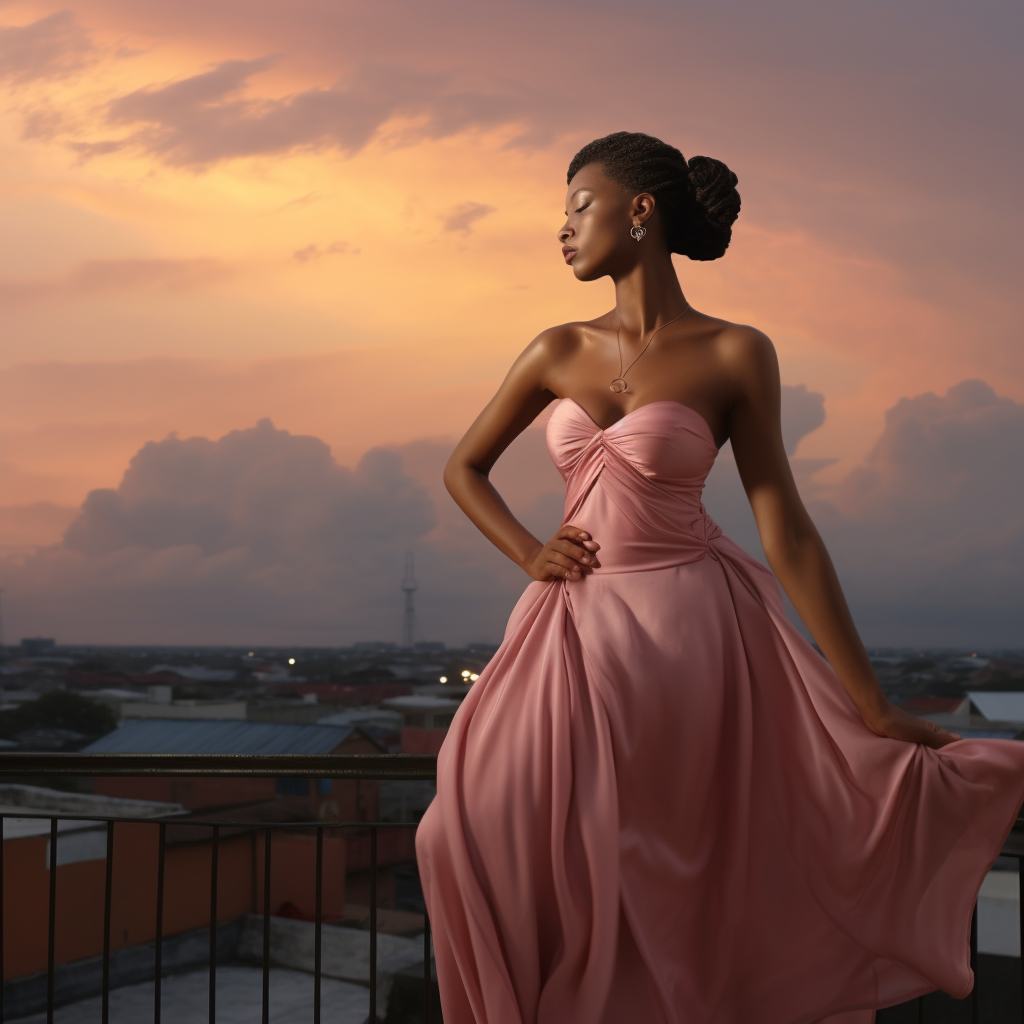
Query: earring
[638,231]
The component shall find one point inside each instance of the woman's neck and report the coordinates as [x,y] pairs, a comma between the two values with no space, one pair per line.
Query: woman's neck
[648,295]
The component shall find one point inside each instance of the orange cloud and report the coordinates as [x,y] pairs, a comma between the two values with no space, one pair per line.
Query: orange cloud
[52,47]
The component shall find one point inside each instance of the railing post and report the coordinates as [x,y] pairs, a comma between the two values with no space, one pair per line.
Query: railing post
[158,968]
[317,931]
[1,919]
[52,924]
[1020,925]
[107,897]
[266,928]
[427,993]
[373,924]
[975,1005]
[214,852]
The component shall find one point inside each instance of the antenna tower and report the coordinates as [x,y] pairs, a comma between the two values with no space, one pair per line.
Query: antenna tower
[409,615]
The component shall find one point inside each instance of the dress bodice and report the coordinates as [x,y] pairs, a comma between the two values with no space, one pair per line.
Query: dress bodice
[636,486]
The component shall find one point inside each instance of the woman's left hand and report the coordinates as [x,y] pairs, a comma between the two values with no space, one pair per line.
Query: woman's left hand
[889,720]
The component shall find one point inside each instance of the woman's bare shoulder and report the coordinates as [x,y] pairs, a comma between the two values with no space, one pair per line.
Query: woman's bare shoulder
[742,350]
[563,341]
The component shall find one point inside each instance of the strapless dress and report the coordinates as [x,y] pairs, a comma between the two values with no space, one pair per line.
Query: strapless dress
[658,804]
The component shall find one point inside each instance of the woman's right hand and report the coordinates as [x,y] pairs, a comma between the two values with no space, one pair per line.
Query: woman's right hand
[564,557]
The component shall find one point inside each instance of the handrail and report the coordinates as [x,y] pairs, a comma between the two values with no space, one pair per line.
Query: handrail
[323,766]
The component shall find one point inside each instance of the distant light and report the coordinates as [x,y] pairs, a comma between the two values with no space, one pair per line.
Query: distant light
[465,673]
[252,654]
[444,679]
[474,677]
[974,655]
[291,661]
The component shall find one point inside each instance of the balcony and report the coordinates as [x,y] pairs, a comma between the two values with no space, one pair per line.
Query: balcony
[129,910]
[152,912]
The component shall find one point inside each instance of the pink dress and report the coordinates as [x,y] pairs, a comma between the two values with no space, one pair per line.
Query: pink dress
[659,805]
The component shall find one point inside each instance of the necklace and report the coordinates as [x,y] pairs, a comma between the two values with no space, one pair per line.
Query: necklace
[618,384]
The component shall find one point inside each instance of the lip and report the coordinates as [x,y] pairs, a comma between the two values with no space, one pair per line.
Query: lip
[568,252]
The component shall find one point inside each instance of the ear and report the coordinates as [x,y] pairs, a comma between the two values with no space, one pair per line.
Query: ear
[642,208]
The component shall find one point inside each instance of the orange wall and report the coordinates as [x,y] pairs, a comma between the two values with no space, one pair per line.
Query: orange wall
[293,875]
[80,891]
[422,741]
[347,801]
[190,793]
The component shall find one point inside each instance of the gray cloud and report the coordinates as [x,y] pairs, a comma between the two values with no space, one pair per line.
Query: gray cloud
[262,536]
[205,118]
[462,218]
[927,533]
[113,275]
[52,47]
[802,412]
[257,534]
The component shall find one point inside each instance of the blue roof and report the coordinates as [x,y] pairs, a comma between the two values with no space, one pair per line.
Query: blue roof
[175,736]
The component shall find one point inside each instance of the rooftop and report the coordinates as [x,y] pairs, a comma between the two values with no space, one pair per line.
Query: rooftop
[422,702]
[38,799]
[176,736]
[999,707]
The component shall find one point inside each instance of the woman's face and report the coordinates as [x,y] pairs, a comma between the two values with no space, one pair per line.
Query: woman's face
[595,237]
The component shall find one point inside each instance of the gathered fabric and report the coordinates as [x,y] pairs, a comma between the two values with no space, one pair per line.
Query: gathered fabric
[658,803]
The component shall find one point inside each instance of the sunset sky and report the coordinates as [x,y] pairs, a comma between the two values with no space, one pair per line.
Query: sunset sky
[337,221]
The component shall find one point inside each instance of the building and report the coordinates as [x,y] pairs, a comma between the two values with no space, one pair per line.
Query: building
[977,715]
[337,800]
[81,854]
[251,799]
[998,706]
[425,721]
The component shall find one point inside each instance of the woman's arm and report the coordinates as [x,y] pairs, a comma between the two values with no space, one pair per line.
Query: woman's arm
[519,400]
[794,549]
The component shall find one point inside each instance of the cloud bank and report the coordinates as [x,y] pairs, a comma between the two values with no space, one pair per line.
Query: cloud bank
[261,537]
[927,532]
[258,534]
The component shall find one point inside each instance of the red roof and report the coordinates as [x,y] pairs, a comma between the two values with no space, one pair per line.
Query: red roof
[338,693]
[927,704]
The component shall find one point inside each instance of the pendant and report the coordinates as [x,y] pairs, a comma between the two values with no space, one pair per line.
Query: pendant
[618,385]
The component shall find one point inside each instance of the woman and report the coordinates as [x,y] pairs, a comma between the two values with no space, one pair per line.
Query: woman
[659,804]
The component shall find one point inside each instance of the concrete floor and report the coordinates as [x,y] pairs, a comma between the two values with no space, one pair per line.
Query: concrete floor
[239,1000]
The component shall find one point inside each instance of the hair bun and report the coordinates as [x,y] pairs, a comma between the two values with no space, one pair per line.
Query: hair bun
[697,199]
[714,188]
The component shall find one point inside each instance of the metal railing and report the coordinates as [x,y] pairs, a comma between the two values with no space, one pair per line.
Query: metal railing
[389,767]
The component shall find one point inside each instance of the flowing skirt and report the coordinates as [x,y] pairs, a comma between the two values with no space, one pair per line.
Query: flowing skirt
[658,804]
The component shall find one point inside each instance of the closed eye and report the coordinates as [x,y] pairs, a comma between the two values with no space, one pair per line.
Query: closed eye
[582,208]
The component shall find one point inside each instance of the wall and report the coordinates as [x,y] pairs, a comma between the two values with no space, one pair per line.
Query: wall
[80,890]
[422,741]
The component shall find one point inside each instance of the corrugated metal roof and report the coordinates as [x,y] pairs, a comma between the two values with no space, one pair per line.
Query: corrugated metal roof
[176,736]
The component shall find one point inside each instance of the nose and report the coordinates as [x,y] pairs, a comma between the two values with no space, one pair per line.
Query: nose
[565,233]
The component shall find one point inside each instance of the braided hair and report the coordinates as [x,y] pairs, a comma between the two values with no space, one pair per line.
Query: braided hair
[697,198]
